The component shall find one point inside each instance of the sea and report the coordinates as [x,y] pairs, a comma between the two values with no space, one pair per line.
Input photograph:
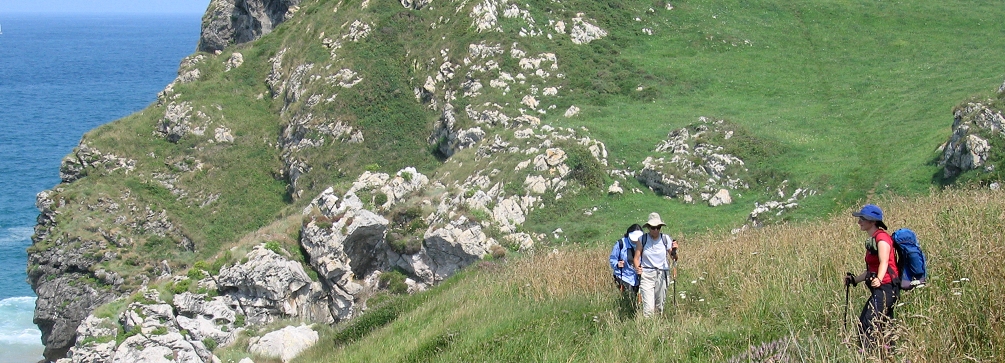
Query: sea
[60,76]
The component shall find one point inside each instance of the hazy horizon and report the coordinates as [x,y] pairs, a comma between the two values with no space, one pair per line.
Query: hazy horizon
[104,7]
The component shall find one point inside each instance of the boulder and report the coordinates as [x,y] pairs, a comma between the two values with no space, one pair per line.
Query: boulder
[203,319]
[449,249]
[967,147]
[721,197]
[270,286]
[236,60]
[615,188]
[536,184]
[584,32]
[285,343]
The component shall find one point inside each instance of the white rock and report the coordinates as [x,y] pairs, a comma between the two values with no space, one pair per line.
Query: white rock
[572,111]
[584,32]
[223,135]
[536,184]
[235,60]
[721,197]
[554,156]
[485,16]
[615,188]
[529,101]
[508,215]
[521,239]
[285,343]
[156,348]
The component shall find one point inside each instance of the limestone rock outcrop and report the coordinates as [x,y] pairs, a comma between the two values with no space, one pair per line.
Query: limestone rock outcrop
[693,165]
[968,147]
[269,286]
[229,22]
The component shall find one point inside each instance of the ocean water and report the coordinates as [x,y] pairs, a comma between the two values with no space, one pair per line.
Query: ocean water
[60,76]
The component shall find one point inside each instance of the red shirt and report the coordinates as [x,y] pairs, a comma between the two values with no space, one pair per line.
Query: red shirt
[872,259]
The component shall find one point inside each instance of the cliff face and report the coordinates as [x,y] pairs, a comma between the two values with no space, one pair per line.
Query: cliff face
[229,22]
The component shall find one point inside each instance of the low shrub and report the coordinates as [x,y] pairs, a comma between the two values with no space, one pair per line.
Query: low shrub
[394,281]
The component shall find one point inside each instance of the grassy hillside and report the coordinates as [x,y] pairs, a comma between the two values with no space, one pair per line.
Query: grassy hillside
[853,96]
[858,93]
[777,285]
[849,99]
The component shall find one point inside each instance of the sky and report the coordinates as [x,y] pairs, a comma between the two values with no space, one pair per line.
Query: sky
[104,6]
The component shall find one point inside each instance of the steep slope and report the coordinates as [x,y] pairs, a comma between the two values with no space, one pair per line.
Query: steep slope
[363,137]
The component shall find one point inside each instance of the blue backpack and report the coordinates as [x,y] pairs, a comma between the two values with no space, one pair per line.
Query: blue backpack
[910,259]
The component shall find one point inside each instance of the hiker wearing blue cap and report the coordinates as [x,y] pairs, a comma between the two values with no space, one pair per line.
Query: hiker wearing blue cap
[880,275]
[651,257]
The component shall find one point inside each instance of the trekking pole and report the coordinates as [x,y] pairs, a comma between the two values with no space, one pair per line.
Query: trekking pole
[675,283]
[621,287]
[847,287]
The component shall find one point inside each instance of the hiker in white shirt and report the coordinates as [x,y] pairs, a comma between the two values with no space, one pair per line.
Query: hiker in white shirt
[651,255]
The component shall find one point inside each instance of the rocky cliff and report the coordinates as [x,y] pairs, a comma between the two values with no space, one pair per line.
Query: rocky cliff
[229,22]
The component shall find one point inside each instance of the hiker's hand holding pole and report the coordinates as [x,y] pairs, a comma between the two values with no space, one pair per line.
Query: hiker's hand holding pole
[849,279]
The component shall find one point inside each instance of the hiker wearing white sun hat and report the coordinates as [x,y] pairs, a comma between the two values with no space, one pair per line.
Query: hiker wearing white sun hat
[651,262]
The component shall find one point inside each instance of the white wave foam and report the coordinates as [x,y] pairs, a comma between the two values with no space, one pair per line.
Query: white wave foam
[16,327]
[16,234]
[18,302]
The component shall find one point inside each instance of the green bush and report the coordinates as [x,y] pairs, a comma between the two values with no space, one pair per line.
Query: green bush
[181,286]
[209,343]
[196,274]
[585,168]
[497,251]
[274,247]
[394,281]
[379,199]
[405,244]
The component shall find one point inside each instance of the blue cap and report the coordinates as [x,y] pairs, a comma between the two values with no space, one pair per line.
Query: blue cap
[870,212]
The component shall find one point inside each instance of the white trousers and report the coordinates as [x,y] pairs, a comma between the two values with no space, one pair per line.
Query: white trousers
[654,290]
